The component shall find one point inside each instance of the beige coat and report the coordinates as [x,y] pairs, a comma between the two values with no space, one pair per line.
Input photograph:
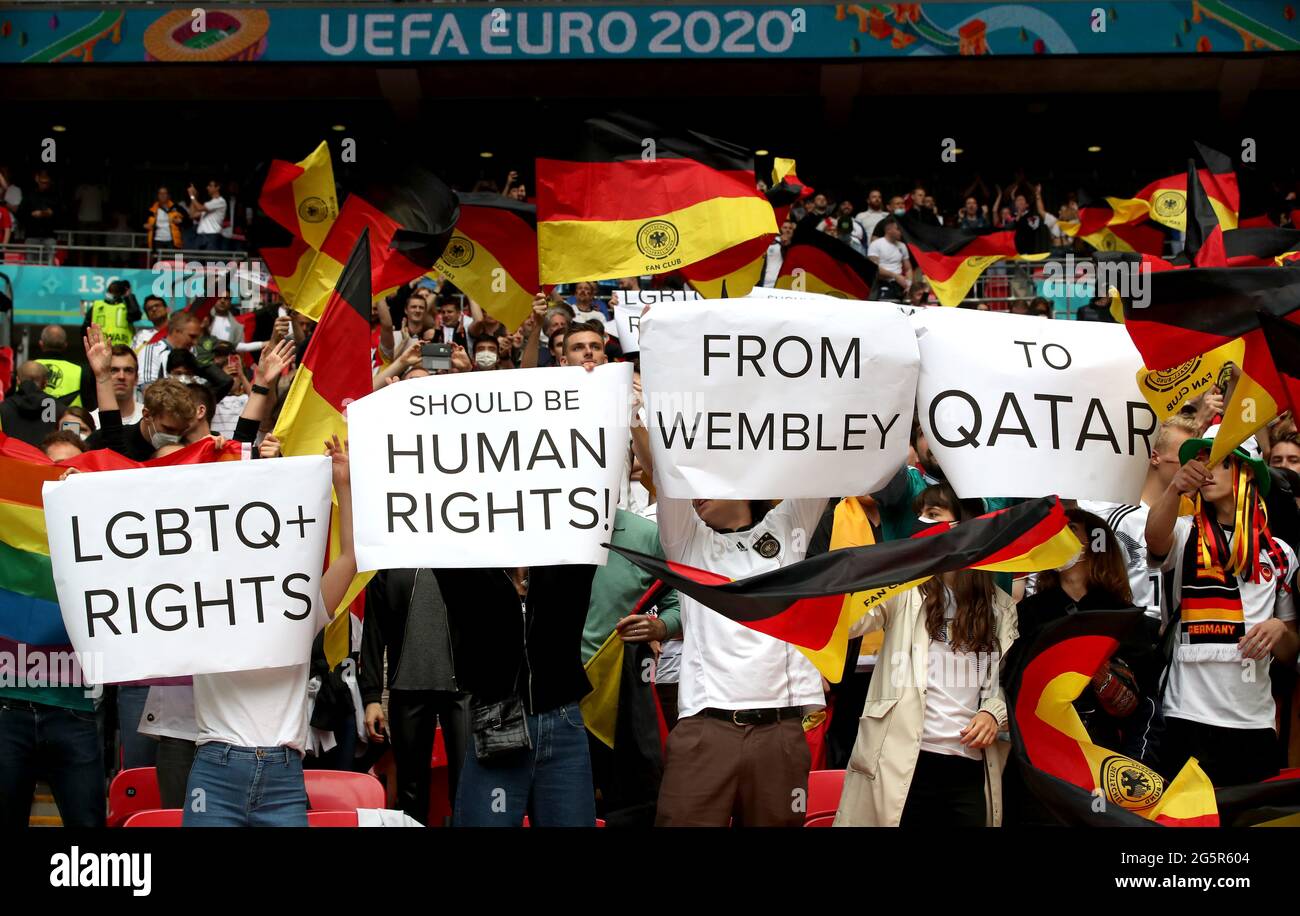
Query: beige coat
[889,731]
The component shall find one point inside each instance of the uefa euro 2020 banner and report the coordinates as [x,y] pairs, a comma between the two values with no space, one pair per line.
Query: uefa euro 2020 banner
[383,33]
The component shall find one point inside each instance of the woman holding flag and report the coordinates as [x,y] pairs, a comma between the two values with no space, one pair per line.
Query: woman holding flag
[927,753]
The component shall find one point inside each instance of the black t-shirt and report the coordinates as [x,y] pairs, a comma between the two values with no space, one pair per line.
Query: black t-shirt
[1033,236]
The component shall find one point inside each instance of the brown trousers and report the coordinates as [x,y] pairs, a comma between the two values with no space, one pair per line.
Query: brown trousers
[716,772]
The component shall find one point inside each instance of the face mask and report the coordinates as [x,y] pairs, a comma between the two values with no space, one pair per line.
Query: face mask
[158,440]
[486,359]
[899,212]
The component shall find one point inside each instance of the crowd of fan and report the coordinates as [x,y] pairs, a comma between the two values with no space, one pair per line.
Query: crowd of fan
[749,715]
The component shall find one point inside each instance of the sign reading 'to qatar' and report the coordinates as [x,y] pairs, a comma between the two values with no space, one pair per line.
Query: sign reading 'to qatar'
[776,398]
[1014,405]
[194,569]
[517,468]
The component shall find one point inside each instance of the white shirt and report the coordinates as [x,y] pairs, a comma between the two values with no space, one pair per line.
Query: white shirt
[889,255]
[153,363]
[1212,683]
[162,226]
[266,707]
[1130,526]
[588,317]
[726,665]
[772,263]
[952,695]
[169,713]
[226,414]
[213,216]
[142,338]
[133,419]
[870,219]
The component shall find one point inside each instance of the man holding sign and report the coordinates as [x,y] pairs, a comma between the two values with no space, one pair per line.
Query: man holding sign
[229,591]
[510,479]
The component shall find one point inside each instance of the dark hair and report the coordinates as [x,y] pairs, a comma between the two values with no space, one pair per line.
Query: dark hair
[938,496]
[65,436]
[1107,568]
[124,350]
[579,327]
[81,414]
[971,630]
[184,360]
[151,298]
[202,395]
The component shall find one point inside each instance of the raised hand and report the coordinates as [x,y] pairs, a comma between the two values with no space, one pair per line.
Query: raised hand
[99,353]
[339,468]
[274,360]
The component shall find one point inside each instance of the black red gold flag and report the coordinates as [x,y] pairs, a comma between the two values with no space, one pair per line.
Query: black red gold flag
[1193,311]
[492,255]
[816,262]
[635,199]
[335,370]
[1078,781]
[953,259]
[803,603]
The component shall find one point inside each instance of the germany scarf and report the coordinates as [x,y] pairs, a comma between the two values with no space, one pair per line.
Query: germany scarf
[1212,619]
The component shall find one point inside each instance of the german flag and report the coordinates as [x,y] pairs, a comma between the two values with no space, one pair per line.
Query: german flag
[1165,200]
[1080,782]
[1193,311]
[953,259]
[1260,246]
[635,200]
[300,196]
[729,274]
[335,371]
[816,262]
[1102,228]
[803,603]
[1283,336]
[408,216]
[787,187]
[492,256]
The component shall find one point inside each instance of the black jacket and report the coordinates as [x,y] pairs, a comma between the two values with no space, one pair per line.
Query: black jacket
[388,607]
[488,627]
[21,414]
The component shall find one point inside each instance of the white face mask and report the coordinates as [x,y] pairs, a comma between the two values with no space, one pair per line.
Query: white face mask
[486,359]
[160,439]
[899,212]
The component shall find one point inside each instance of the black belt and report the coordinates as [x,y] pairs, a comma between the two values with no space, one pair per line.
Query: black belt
[754,716]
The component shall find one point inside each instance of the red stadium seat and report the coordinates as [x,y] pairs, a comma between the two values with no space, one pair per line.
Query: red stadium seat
[824,788]
[824,820]
[340,790]
[131,791]
[159,817]
[332,818]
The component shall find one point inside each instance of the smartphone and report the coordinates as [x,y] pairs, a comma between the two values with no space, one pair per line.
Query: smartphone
[435,356]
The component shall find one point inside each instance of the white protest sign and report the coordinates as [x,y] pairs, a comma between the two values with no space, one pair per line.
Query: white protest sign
[192,569]
[1016,405]
[752,399]
[776,292]
[630,304]
[518,468]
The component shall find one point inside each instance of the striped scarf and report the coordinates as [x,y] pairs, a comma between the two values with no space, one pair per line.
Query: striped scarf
[1212,617]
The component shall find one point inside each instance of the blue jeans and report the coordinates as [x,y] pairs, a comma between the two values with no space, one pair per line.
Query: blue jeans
[63,746]
[550,782]
[245,787]
[137,750]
